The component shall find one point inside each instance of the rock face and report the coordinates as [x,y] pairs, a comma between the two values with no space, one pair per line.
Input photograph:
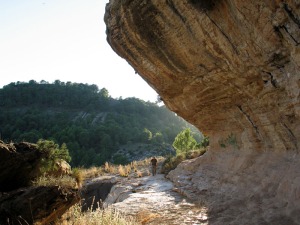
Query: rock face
[243,188]
[19,165]
[231,68]
[95,192]
[36,205]
[226,66]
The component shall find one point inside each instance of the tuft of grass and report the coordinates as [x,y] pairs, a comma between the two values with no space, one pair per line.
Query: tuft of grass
[106,167]
[134,165]
[123,171]
[62,181]
[92,172]
[139,173]
[75,216]
[78,176]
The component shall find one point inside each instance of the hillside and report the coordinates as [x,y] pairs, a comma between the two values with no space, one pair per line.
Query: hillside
[92,124]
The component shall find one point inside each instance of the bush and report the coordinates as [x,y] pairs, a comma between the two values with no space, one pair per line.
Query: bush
[120,159]
[52,153]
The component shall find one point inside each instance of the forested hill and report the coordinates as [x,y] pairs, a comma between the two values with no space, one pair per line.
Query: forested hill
[92,124]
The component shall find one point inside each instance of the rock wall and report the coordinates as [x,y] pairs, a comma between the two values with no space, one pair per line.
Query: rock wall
[230,67]
[243,187]
[19,165]
[36,205]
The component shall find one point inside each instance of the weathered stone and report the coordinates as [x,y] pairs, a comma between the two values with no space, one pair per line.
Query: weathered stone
[19,165]
[36,205]
[95,191]
[232,69]
[61,168]
[248,187]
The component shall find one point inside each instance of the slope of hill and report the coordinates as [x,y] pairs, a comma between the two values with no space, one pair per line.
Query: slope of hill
[92,124]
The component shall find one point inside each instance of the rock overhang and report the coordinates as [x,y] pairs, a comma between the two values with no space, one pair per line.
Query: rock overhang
[231,67]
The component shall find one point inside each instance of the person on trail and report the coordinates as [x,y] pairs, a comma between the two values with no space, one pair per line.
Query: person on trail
[154,164]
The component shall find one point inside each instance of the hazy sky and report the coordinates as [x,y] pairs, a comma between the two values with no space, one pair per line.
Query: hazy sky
[63,40]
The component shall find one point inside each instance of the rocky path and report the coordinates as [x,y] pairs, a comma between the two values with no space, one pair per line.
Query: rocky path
[154,200]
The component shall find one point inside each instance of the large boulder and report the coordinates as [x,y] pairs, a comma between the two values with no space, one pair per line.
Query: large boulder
[36,205]
[19,165]
[61,168]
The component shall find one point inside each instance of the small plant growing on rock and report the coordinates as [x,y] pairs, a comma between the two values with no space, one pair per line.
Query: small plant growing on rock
[122,171]
[78,176]
[106,167]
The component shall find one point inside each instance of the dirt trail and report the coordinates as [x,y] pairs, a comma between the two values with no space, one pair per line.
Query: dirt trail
[153,200]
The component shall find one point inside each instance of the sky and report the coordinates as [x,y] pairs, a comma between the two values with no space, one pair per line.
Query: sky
[63,40]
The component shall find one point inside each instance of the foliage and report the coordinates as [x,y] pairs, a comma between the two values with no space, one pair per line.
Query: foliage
[93,125]
[184,141]
[120,159]
[52,154]
[204,142]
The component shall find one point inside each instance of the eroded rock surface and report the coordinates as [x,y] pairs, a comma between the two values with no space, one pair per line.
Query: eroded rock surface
[19,165]
[95,191]
[226,66]
[243,188]
[36,205]
[231,68]
[154,200]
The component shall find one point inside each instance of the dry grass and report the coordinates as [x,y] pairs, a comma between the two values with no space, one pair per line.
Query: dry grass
[110,168]
[139,173]
[78,176]
[122,171]
[75,216]
[145,216]
[91,172]
[63,181]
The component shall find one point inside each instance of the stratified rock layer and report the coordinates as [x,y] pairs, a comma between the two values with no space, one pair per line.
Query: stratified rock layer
[228,67]
[231,68]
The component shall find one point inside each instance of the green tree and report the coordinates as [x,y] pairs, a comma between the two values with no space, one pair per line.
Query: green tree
[52,154]
[146,135]
[184,141]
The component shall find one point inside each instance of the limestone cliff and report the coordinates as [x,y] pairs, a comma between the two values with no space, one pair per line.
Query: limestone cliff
[228,67]
[231,68]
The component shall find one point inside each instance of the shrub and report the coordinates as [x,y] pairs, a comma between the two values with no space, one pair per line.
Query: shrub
[52,153]
[120,159]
